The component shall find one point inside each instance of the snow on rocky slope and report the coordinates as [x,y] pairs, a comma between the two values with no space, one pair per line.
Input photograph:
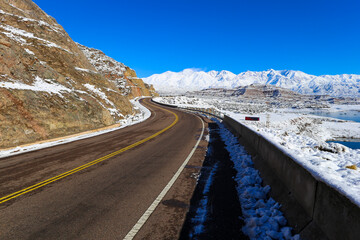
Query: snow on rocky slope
[121,75]
[48,87]
[345,85]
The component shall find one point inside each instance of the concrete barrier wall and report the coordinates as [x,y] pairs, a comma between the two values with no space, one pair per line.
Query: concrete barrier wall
[314,209]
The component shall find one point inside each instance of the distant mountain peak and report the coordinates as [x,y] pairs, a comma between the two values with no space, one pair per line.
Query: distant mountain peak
[344,85]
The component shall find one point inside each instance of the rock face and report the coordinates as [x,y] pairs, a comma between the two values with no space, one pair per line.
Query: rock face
[48,87]
[122,76]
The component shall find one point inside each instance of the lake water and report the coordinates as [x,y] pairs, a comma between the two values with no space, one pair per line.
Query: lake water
[344,115]
[353,145]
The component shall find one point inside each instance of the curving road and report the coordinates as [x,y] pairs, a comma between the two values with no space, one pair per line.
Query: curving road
[45,195]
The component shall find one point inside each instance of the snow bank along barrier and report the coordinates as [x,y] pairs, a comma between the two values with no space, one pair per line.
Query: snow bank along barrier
[207,111]
[163,104]
[314,209]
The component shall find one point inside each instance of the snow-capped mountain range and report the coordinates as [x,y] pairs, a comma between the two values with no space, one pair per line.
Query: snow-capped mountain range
[344,85]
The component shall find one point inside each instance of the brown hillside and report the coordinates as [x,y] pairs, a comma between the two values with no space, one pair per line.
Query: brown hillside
[48,87]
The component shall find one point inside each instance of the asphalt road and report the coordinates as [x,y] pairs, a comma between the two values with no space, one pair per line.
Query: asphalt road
[105,200]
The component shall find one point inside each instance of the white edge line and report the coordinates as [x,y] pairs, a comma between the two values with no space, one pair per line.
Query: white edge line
[156,202]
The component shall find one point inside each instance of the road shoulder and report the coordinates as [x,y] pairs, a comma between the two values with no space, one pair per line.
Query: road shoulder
[167,219]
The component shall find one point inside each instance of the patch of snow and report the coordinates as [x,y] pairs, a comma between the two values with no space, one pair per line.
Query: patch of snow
[207,138]
[16,7]
[98,92]
[144,113]
[17,34]
[29,52]
[113,110]
[39,22]
[17,31]
[103,63]
[112,90]
[16,38]
[5,13]
[41,85]
[85,70]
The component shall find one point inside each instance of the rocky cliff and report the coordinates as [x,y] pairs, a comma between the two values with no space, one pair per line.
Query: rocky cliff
[48,86]
[122,76]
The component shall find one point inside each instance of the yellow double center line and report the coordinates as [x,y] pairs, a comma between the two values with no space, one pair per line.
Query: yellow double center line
[82,167]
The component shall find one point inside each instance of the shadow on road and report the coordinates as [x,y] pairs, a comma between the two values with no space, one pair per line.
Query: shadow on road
[215,211]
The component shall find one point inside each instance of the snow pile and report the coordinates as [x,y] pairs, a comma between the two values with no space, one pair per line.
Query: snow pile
[143,114]
[345,85]
[262,217]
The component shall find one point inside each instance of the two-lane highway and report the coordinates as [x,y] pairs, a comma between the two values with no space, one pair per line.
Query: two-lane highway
[99,187]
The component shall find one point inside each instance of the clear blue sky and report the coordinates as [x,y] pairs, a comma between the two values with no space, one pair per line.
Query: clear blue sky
[153,36]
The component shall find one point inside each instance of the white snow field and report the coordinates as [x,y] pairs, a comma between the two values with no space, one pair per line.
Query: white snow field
[129,120]
[304,137]
[345,85]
